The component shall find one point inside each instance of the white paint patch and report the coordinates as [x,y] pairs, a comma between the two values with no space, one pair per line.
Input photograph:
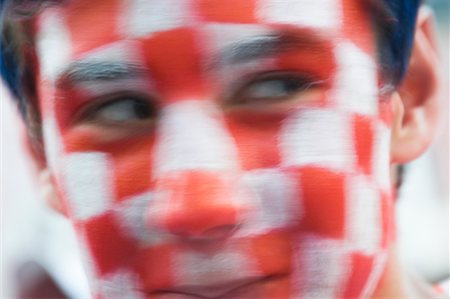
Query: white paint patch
[323,14]
[194,268]
[318,137]
[363,216]
[276,202]
[322,266]
[53,44]
[193,137]
[356,80]
[121,284]
[52,143]
[143,17]
[89,184]
[381,156]
[132,215]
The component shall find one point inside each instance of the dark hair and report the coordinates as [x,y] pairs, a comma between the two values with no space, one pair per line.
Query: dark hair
[396,33]
[396,37]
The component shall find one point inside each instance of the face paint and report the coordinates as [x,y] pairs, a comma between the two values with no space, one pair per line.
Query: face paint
[206,149]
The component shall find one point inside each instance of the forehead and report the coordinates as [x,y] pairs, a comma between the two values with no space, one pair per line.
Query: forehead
[144,16]
[125,19]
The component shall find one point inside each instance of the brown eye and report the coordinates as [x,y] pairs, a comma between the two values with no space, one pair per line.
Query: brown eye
[123,110]
[274,87]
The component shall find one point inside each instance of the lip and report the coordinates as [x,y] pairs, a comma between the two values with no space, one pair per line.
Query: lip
[218,291]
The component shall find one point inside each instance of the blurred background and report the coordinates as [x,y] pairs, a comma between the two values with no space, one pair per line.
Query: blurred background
[423,207]
[36,240]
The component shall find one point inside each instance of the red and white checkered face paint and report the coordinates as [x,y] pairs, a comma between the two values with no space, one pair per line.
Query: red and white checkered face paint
[219,148]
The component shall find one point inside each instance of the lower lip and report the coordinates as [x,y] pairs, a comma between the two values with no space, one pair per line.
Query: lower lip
[269,287]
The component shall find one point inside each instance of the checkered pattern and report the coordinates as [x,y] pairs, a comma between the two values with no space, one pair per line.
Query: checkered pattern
[308,192]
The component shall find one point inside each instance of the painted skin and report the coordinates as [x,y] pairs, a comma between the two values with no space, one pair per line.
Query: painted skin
[219,149]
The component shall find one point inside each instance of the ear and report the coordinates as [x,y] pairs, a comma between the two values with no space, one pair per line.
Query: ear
[415,104]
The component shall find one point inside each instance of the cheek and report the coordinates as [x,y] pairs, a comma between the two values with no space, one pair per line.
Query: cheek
[323,196]
[96,183]
[126,165]
[109,245]
[133,172]
[339,163]
[341,166]
[339,249]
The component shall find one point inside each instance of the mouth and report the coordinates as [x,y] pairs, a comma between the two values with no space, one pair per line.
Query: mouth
[231,289]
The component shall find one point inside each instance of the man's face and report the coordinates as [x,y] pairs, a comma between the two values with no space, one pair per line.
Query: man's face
[219,148]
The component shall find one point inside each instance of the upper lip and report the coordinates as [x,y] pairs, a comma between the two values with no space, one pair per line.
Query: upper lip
[215,291]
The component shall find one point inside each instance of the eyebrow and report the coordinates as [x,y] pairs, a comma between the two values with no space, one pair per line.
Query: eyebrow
[289,39]
[88,71]
[268,45]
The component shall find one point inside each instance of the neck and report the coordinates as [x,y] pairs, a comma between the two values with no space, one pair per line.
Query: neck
[398,282]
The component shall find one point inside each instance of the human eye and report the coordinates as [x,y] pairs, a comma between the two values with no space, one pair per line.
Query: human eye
[274,87]
[121,109]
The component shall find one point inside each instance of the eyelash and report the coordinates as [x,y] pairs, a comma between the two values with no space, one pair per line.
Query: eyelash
[298,82]
[144,109]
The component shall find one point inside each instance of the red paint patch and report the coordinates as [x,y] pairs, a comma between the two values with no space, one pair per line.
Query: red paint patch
[357,25]
[155,267]
[81,16]
[323,193]
[197,203]
[273,252]
[362,267]
[175,60]
[231,11]
[388,221]
[363,138]
[109,246]
[133,165]
[256,137]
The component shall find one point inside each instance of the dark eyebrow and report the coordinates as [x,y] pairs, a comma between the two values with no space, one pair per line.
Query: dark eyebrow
[263,46]
[88,71]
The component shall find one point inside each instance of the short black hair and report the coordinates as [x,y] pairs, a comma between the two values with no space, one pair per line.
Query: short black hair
[396,37]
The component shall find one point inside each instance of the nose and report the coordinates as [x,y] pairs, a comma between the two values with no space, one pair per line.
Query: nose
[197,204]
[195,171]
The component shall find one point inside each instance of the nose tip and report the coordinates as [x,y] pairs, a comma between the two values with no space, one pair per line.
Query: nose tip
[197,204]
